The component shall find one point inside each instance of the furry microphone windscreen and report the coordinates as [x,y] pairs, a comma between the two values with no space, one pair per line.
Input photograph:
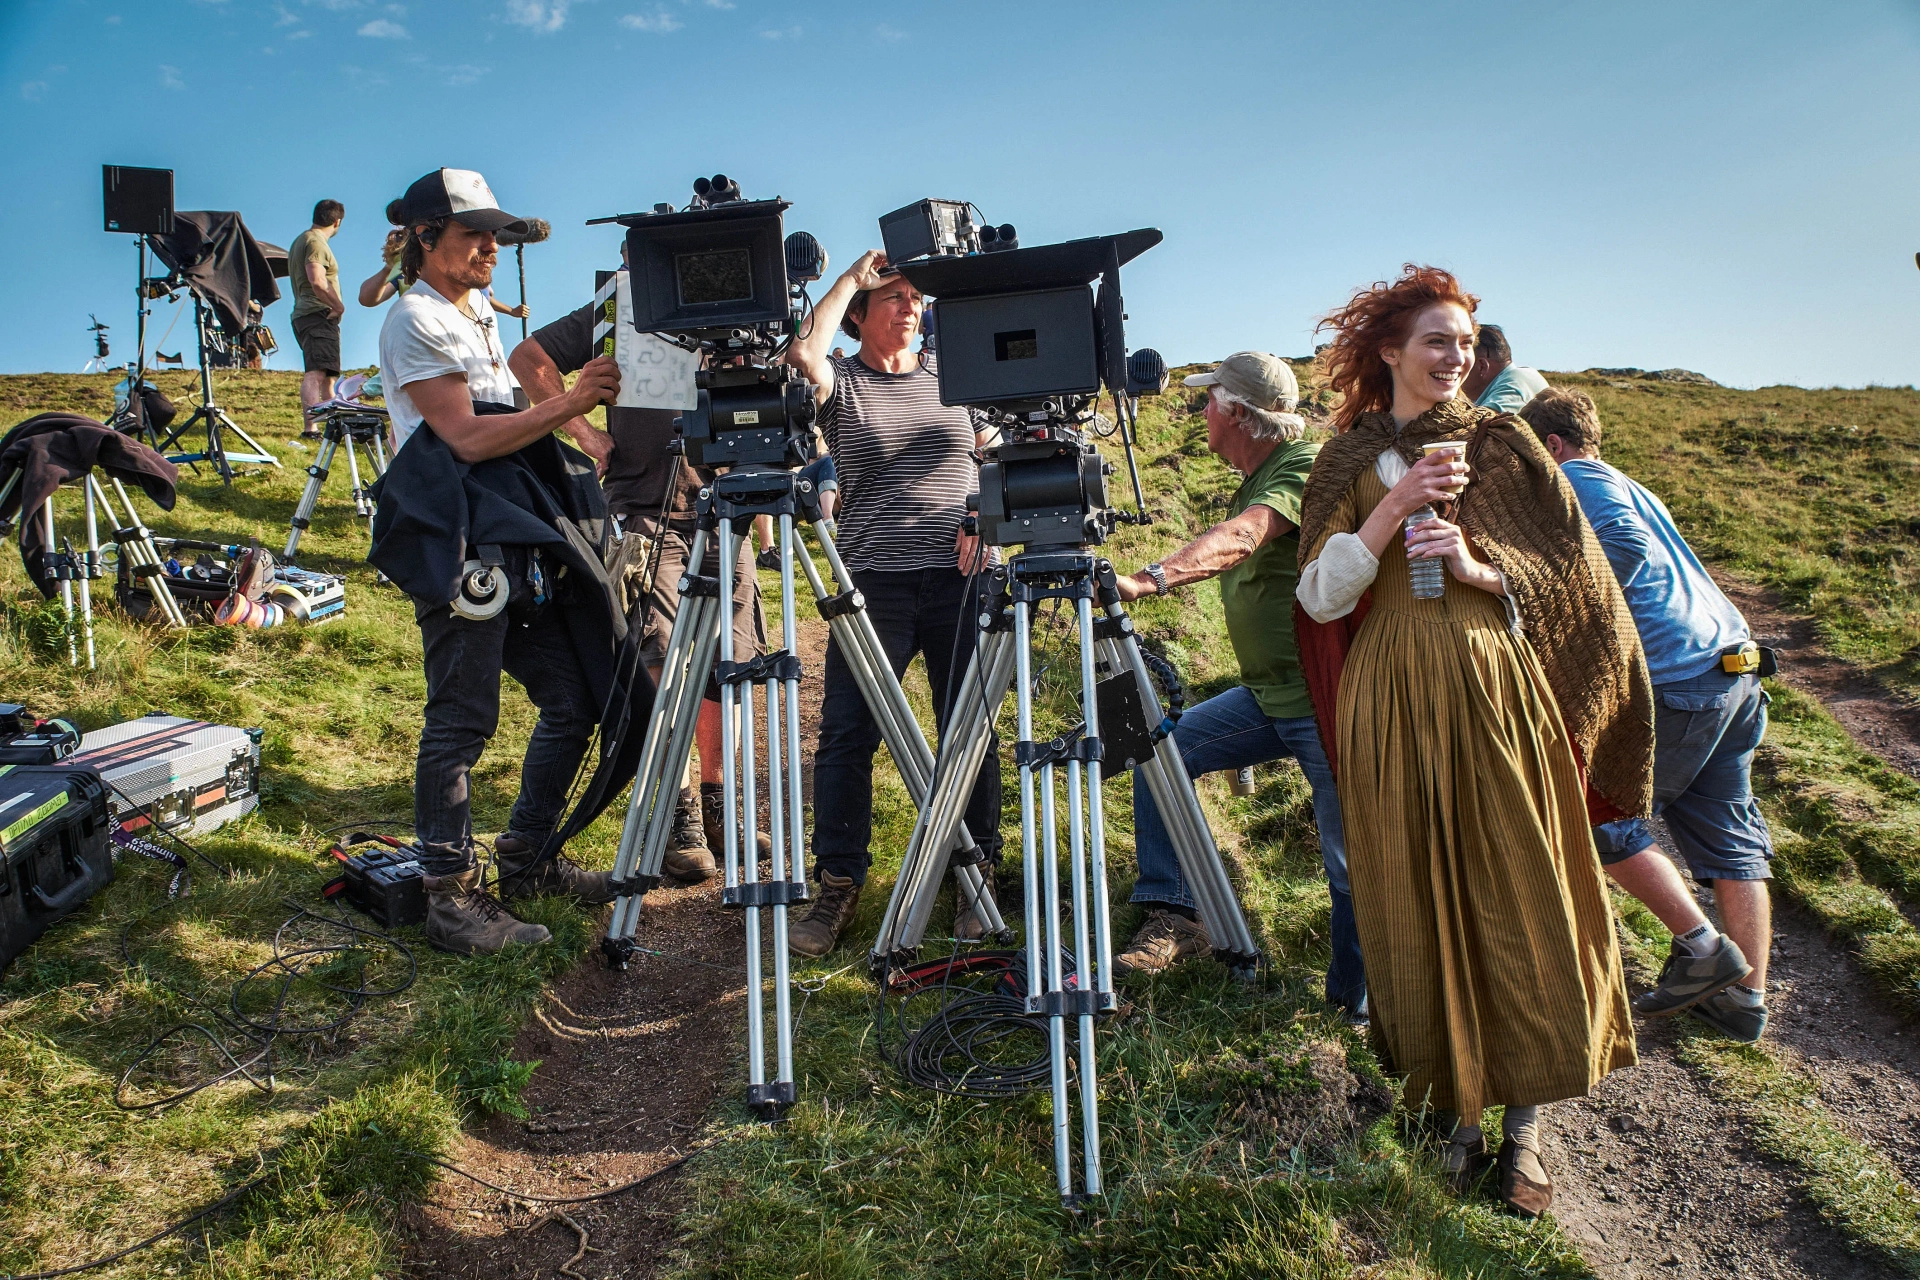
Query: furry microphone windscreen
[538,229]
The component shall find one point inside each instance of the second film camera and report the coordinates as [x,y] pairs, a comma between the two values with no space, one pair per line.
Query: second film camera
[718,278]
[1026,338]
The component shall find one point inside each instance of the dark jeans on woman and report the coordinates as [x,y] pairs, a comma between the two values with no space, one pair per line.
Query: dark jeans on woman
[927,611]
[464,661]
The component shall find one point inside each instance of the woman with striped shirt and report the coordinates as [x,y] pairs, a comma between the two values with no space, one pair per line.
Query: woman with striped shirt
[906,466]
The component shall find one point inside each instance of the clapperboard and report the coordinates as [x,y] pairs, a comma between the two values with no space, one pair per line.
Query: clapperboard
[654,374]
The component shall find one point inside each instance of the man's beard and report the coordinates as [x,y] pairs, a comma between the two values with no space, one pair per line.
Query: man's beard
[473,274]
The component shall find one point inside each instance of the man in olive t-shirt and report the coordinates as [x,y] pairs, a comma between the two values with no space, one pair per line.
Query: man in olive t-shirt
[314,274]
[1255,553]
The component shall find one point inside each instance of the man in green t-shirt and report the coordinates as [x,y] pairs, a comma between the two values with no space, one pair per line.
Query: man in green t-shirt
[317,307]
[1255,553]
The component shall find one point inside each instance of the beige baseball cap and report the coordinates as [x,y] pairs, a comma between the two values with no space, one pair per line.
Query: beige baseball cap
[1263,381]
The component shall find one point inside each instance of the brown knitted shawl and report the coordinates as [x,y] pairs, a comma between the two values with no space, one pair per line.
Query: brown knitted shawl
[1523,516]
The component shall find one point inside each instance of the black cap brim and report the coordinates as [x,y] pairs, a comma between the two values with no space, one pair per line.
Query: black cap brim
[492,220]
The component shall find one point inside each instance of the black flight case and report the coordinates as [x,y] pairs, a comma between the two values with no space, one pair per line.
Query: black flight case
[54,844]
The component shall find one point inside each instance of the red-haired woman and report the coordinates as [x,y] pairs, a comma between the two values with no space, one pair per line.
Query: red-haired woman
[1463,720]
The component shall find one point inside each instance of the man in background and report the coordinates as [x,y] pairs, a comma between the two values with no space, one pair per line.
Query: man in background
[1709,716]
[317,307]
[1495,381]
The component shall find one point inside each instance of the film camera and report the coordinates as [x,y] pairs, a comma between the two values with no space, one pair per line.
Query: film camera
[1026,338]
[719,278]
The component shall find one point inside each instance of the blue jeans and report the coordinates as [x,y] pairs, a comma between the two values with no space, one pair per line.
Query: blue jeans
[1231,732]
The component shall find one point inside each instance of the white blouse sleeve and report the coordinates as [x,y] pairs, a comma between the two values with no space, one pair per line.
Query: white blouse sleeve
[1337,578]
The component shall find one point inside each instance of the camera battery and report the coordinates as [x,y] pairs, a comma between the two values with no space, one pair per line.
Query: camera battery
[388,885]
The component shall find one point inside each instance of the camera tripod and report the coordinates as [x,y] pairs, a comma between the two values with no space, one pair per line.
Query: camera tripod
[215,418]
[703,627]
[1117,727]
[362,428]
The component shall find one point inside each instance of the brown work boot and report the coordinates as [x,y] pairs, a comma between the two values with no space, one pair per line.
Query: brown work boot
[832,908]
[967,925]
[466,921]
[712,817]
[1163,941]
[519,876]
[688,859]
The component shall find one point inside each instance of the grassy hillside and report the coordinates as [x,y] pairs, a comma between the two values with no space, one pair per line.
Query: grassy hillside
[1228,1148]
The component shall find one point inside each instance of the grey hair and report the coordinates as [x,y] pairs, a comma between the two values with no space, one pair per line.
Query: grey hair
[1264,424]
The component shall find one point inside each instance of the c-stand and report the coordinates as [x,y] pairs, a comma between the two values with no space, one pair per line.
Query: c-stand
[212,414]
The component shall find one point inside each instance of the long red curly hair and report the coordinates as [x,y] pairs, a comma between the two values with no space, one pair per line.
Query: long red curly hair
[1374,319]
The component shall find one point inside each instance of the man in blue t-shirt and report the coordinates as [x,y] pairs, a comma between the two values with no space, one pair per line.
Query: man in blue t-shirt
[1710,714]
[1495,381]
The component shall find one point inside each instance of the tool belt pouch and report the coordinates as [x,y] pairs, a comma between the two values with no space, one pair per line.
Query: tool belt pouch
[54,850]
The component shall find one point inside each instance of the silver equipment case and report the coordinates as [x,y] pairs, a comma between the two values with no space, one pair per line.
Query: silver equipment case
[174,773]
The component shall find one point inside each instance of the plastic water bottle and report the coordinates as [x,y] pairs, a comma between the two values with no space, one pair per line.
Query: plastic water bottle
[1428,574]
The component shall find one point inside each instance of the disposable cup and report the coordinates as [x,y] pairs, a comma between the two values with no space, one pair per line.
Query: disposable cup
[1456,447]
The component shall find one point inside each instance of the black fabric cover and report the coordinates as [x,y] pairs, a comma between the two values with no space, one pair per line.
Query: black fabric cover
[52,449]
[219,258]
[433,507]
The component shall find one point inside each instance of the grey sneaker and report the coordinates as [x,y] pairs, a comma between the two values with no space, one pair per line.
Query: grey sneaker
[1735,1021]
[1163,941]
[1686,980]
[519,876]
[688,860]
[464,920]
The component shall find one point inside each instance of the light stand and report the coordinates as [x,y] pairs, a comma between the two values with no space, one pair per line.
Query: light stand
[212,414]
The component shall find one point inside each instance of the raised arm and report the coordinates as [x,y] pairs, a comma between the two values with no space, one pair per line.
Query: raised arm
[809,351]
[446,405]
[376,288]
[542,380]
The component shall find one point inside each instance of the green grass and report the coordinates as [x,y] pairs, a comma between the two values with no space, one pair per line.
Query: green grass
[1813,493]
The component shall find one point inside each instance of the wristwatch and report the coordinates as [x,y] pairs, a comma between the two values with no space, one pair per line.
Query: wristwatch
[1159,575]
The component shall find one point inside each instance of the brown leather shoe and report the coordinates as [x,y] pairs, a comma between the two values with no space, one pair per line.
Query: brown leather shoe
[1163,941]
[832,908]
[1466,1163]
[1525,1187]
[687,860]
[711,818]
[519,876]
[464,920]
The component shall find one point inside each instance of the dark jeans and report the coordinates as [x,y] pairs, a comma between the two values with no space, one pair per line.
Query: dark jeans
[924,611]
[1230,731]
[464,660]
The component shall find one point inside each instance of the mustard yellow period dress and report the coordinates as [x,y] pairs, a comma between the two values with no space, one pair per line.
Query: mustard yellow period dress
[1491,960]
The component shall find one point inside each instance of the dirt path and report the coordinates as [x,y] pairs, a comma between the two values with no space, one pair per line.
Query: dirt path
[630,1066]
[1879,721]
[1655,1176]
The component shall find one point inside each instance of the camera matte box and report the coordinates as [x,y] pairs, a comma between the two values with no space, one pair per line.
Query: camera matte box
[1000,348]
[176,774]
[679,262]
[54,851]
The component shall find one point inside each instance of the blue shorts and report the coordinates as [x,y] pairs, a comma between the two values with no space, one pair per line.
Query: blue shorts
[1705,733]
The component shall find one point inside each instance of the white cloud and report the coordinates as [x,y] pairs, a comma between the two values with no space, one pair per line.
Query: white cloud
[892,35]
[541,15]
[397,10]
[659,21]
[57,69]
[381,29]
[170,77]
[299,35]
[34,90]
[785,33]
[113,19]
[359,78]
[287,18]
[465,73]
[336,5]
[719,4]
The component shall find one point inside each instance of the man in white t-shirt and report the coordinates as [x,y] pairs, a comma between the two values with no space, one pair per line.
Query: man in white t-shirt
[446,379]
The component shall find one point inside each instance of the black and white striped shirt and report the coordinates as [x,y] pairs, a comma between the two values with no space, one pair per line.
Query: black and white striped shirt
[906,466]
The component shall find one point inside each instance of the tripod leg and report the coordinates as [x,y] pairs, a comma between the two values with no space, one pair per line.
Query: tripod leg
[140,549]
[360,505]
[310,496]
[91,568]
[1087,849]
[66,583]
[230,425]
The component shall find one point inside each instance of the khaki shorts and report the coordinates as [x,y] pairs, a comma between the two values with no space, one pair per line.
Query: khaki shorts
[749,619]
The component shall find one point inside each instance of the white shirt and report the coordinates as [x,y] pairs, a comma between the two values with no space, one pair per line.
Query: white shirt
[426,336]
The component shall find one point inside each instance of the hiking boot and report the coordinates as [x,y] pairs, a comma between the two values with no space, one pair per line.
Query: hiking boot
[1163,941]
[1731,1018]
[816,934]
[1525,1187]
[466,921]
[688,860]
[519,876]
[712,818]
[1686,980]
[967,926]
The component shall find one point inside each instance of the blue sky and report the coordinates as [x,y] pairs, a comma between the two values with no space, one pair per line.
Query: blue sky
[1728,187]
